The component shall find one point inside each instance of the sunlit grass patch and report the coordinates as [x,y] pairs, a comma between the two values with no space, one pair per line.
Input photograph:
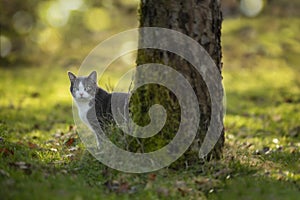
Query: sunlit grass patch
[262,39]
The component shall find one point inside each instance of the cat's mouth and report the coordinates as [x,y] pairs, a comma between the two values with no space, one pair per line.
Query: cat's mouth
[82,98]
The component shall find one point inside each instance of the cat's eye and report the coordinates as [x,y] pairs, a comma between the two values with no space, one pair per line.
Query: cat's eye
[88,88]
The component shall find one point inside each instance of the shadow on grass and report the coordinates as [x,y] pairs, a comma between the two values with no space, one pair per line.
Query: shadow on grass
[249,187]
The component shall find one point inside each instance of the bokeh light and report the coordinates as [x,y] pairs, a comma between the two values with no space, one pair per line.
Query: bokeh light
[22,22]
[251,8]
[97,19]
[49,40]
[57,16]
[71,4]
[57,13]
[5,46]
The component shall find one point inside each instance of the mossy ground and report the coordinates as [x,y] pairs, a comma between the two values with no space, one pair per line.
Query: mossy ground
[43,158]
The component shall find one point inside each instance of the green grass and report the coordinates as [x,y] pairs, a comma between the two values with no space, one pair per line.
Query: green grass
[43,158]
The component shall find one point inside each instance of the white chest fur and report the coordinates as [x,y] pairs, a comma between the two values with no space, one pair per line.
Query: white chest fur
[83,108]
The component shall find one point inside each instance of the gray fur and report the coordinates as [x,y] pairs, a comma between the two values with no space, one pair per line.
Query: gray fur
[98,99]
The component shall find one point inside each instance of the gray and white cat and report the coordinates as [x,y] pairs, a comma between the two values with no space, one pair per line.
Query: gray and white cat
[92,101]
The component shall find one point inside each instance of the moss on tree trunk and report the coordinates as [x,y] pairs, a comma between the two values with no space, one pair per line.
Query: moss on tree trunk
[200,20]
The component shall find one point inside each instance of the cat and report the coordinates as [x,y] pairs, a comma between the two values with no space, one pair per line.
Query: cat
[93,102]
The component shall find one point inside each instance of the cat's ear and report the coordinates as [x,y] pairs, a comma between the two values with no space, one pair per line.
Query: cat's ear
[72,76]
[93,76]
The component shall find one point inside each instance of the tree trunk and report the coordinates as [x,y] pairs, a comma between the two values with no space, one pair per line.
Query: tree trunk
[200,20]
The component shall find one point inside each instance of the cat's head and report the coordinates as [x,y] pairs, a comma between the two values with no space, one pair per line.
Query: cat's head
[83,88]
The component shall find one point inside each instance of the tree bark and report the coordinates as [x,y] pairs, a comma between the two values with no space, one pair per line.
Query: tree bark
[200,20]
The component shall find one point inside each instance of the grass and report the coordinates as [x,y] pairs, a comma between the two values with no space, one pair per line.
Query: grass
[43,158]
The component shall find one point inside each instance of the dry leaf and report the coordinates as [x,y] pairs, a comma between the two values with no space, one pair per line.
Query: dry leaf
[151,177]
[6,152]
[70,142]
[184,190]
[123,187]
[32,145]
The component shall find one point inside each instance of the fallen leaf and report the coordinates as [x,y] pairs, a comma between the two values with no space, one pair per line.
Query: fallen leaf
[6,152]
[70,142]
[202,181]
[32,145]
[123,187]
[151,177]
[184,190]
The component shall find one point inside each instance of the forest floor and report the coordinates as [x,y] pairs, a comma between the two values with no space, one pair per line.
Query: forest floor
[42,156]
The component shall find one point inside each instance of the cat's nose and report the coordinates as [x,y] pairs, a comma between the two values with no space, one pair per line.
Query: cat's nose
[81,94]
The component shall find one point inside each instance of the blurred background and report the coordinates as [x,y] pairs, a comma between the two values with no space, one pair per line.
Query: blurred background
[60,33]
[64,31]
